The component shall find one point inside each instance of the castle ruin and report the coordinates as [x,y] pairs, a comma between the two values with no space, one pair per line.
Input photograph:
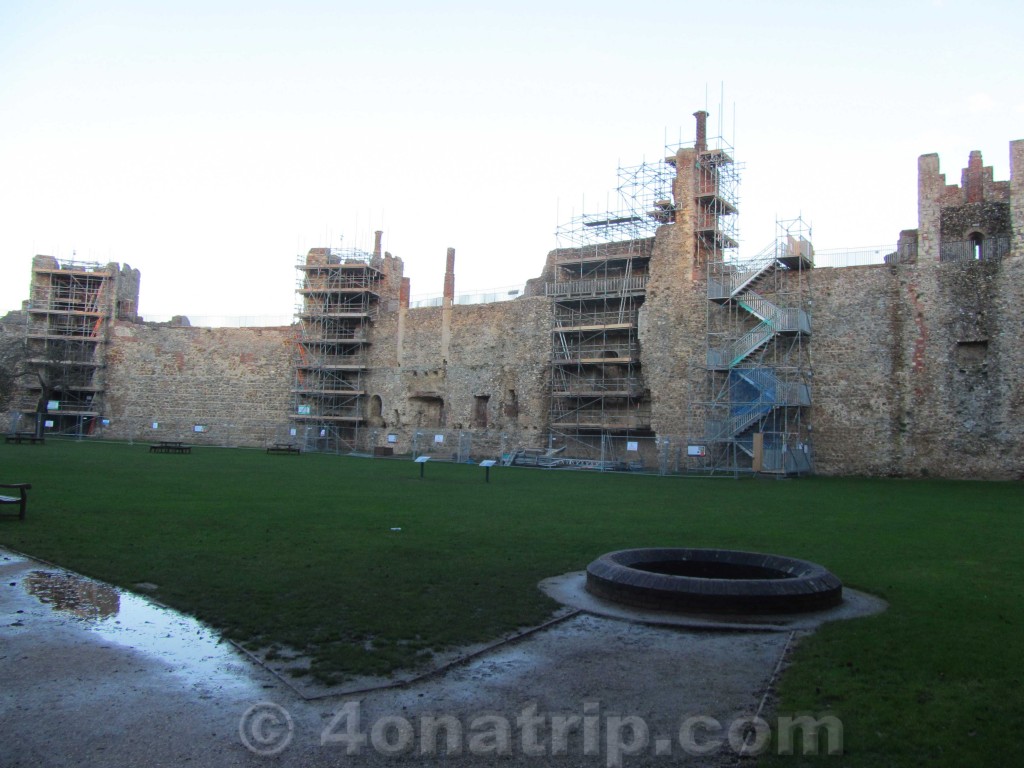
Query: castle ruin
[646,344]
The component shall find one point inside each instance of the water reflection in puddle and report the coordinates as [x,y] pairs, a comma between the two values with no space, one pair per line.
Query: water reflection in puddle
[187,646]
[66,592]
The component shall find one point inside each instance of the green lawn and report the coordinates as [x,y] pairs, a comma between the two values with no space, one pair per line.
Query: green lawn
[299,551]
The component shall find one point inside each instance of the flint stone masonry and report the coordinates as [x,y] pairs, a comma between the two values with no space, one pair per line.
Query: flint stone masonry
[989,219]
[858,380]
[498,351]
[916,363]
[917,368]
[234,382]
[672,331]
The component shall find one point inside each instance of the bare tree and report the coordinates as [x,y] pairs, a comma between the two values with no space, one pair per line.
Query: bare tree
[12,365]
[7,381]
[52,368]
[58,368]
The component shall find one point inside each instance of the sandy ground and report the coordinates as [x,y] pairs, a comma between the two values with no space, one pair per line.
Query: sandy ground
[95,676]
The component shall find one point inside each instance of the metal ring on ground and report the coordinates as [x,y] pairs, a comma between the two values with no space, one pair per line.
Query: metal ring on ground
[713,581]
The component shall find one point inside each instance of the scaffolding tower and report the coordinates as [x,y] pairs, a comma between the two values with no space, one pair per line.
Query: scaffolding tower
[339,298]
[71,304]
[599,403]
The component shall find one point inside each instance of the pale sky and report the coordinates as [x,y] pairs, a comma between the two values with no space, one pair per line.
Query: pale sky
[209,143]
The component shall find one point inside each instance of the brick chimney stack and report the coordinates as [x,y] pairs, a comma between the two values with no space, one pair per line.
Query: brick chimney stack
[972,180]
[376,242]
[449,277]
[702,131]
[404,291]
[446,305]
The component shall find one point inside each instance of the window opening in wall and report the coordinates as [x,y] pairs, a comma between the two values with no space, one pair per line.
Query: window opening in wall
[427,410]
[376,411]
[971,355]
[480,411]
[976,239]
[512,405]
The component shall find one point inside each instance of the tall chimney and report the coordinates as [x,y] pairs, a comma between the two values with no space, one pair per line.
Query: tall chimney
[449,277]
[404,291]
[972,180]
[446,305]
[403,310]
[376,242]
[702,131]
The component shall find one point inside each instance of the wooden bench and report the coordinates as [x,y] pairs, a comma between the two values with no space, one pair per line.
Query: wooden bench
[283,448]
[24,437]
[170,446]
[21,500]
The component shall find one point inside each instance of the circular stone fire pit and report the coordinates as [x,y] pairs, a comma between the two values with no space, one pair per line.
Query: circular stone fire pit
[712,581]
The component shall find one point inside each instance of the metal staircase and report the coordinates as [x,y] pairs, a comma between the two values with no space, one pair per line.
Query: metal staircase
[759,364]
[764,392]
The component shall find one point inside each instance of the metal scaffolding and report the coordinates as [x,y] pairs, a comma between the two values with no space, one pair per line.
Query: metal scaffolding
[645,198]
[598,396]
[758,357]
[70,307]
[599,404]
[339,297]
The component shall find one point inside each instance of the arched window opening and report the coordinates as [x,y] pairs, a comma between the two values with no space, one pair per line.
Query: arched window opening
[375,415]
[976,239]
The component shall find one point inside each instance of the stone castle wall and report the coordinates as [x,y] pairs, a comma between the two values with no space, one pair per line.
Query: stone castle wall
[916,371]
[916,364]
[233,382]
[236,382]
[857,361]
[672,324]
[494,380]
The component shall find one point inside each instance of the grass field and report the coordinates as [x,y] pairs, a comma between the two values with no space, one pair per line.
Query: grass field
[299,551]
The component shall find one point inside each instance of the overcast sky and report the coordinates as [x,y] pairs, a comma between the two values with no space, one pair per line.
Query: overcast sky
[208,143]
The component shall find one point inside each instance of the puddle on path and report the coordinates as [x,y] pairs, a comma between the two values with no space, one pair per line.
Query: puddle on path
[80,597]
[182,643]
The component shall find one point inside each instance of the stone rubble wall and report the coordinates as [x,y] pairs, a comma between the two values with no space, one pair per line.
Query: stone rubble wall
[916,364]
[916,370]
[673,331]
[234,382]
[498,353]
